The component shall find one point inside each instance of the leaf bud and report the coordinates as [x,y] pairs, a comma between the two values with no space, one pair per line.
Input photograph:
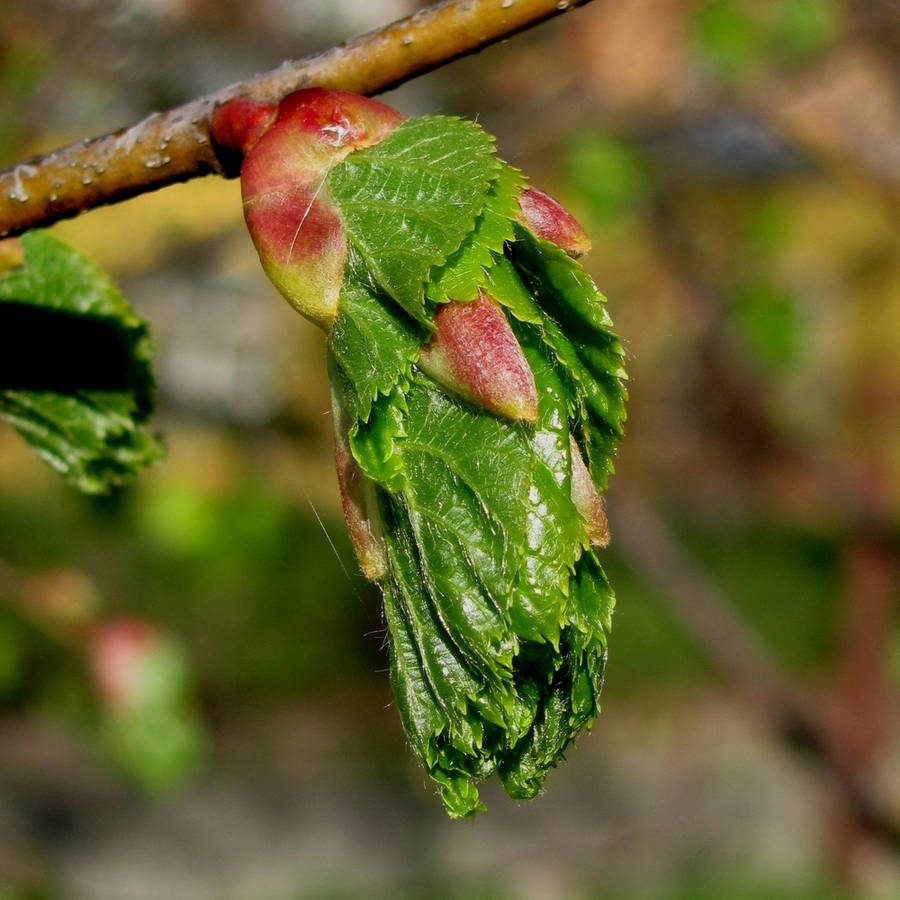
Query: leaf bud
[587,500]
[291,218]
[550,221]
[123,655]
[358,500]
[475,354]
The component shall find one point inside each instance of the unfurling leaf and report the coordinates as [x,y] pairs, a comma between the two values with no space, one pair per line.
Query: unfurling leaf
[478,400]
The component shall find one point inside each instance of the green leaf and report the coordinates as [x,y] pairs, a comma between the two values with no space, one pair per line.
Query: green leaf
[465,509]
[578,329]
[408,202]
[503,283]
[490,585]
[76,379]
[555,534]
[91,438]
[451,683]
[373,342]
[461,276]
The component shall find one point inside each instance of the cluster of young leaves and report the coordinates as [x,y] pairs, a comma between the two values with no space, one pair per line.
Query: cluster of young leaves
[496,603]
[75,366]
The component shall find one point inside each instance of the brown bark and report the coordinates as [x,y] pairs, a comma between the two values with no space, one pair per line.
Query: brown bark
[860,699]
[174,146]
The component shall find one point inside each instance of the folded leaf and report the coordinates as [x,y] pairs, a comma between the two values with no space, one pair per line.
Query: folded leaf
[409,201]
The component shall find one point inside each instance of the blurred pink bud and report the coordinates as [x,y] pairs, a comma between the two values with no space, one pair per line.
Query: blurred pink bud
[475,354]
[121,653]
[548,220]
[587,500]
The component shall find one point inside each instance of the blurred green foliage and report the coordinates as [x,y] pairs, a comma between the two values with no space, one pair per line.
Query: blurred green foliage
[266,605]
[768,322]
[606,175]
[729,35]
[733,37]
[265,595]
[781,581]
[30,662]
[737,887]
[803,28]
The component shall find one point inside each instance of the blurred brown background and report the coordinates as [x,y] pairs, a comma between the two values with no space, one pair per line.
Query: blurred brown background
[737,165]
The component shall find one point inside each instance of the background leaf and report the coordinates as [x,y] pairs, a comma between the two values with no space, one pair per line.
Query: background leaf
[77,380]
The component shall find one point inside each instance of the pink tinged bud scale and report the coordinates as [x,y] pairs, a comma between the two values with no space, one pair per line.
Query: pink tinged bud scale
[548,220]
[290,215]
[587,500]
[359,503]
[239,123]
[475,354]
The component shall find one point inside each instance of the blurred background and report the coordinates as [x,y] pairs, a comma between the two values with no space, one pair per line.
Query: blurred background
[194,699]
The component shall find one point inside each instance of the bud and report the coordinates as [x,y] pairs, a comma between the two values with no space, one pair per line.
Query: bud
[475,353]
[548,220]
[296,228]
[239,123]
[358,500]
[148,724]
[587,499]
[123,657]
[477,399]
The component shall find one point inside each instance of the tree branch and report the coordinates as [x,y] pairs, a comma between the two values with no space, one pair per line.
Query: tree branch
[174,146]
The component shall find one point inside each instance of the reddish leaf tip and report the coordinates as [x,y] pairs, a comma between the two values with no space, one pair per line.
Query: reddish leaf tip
[587,500]
[358,502]
[475,354]
[550,221]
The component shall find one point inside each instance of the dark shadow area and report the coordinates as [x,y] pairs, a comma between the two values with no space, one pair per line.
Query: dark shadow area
[47,350]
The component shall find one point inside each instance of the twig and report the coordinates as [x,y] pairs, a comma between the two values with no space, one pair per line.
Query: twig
[175,146]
